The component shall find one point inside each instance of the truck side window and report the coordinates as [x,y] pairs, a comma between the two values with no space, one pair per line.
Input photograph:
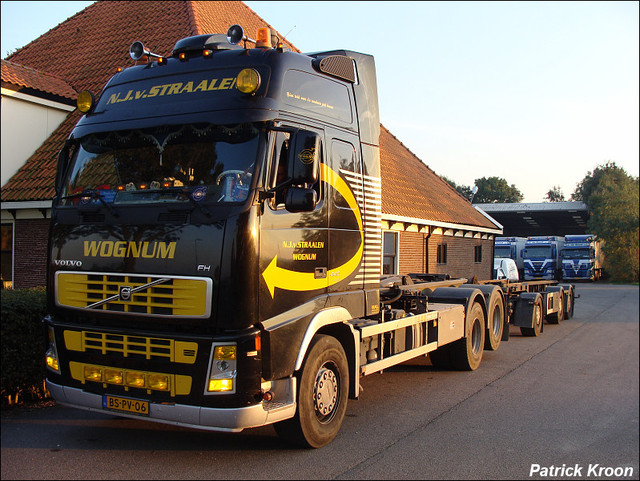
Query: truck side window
[345,161]
[279,166]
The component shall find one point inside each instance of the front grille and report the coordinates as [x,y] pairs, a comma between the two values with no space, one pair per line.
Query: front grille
[149,348]
[135,294]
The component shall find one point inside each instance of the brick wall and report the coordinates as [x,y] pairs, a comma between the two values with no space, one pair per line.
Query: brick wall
[460,255]
[30,253]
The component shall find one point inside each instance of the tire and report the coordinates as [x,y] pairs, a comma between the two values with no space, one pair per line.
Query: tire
[568,307]
[536,318]
[324,375]
[495,322]
[440,358]
[557,317]
[466,353]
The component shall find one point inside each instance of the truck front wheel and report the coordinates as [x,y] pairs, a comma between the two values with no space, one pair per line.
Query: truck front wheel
[323,388]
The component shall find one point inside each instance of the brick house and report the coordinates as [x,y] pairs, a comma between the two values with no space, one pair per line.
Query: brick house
[427,226]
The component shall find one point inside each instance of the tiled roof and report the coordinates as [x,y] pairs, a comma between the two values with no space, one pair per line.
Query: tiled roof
[87,48]
[29,78]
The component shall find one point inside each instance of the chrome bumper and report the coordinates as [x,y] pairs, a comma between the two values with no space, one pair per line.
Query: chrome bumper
[212,419]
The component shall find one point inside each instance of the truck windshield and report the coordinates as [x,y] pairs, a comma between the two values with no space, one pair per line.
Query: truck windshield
[576,254]
[538,251]
[502,251]
[197,162]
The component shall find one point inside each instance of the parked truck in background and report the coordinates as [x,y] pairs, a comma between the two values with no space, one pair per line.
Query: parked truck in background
[582,257]
[215,247]
[510,248]
[541,257]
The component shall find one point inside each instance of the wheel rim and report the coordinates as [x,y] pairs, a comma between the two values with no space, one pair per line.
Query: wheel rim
[476,336]
[497,321]
[326,392]
[537,317]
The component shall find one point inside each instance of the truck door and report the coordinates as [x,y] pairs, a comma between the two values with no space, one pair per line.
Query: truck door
[346,211]
[293,245]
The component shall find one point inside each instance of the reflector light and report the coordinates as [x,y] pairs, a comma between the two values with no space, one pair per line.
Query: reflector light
[248,81]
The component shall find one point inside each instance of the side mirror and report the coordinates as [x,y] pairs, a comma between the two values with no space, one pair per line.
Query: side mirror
[300,199]
[304,158]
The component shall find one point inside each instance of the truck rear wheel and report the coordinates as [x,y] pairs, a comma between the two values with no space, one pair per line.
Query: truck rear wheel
[536,321]
[466,353]
[323,388]
[495,322]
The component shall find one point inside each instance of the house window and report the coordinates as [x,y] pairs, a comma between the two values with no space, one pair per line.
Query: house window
[390,249]
[442,253]
[7,256]
[477,254]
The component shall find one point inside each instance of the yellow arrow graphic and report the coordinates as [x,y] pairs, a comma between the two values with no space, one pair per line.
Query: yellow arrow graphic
[276,276]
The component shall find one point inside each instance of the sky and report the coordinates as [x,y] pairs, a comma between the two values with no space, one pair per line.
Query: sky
[537,93]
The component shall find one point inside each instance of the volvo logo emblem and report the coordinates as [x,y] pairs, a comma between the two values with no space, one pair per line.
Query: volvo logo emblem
[125,293]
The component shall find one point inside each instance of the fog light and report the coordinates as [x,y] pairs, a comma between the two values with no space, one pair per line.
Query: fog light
[220,385]
[113,376]
[159,382]
[92,373]
[134,379]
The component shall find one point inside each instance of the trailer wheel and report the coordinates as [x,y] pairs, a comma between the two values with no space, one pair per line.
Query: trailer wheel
[495,322]
[466,353]
[568,307]
[557,317]
[323,388]
[536,321]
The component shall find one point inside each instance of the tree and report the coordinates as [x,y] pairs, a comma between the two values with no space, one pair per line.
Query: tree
[464,190]
[612,196]
[554,195]
[587,185]
[496,189]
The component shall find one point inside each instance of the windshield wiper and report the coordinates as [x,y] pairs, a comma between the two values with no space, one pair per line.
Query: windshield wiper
[96,195]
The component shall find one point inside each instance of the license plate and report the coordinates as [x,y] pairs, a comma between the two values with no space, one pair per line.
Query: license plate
[134,406]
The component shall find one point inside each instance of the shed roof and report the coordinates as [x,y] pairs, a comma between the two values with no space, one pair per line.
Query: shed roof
[86,49]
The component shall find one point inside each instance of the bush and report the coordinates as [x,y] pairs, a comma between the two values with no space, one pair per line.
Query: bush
[23,344]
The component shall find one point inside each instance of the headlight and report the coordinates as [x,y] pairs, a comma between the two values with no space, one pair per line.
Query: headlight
[51,356]
[222,369]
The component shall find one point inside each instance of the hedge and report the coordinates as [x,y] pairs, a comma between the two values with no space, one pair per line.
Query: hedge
[23,344]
